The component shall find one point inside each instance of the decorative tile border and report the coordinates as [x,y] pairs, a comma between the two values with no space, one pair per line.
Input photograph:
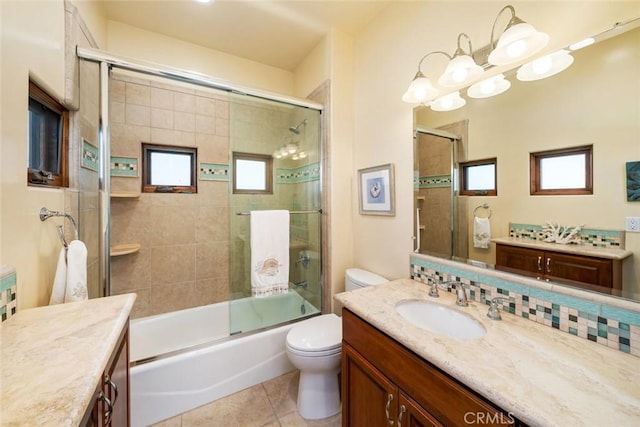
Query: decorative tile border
[605,325]
[89,156]
[306,173]
[8,292]
[124,166]
[590,237]
[214,172]
[434,181]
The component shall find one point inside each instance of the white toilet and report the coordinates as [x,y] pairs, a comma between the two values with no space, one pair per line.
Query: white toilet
[314,347]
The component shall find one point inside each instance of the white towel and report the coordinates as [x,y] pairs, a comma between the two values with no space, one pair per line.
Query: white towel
[269,252]
[481,232]
[70,282]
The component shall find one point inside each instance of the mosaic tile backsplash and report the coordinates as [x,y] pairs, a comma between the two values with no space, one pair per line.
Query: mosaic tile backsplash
[590,237]
[8,288]
[611,326]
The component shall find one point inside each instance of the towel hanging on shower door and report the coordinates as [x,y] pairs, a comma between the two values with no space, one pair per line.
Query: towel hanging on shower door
[269,252]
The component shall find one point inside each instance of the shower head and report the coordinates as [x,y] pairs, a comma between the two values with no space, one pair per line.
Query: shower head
[295,129]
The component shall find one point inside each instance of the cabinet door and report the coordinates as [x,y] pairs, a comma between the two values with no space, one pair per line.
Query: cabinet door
[579,270]
[368,397]
[525,261]
[116,384]
[410,414]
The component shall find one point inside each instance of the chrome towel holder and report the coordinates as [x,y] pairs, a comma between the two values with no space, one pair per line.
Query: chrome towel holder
[45,214]
[482,206]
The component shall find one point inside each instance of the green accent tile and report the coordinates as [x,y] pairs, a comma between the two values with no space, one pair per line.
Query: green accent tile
[555,319]
[124,166]
[89,156]
[592,331]
[8,281]
[573,331]
[625,348]
[214,172]
[525,314]
[622,333]
[626,316]
[602,333]
[612,330]
[555,306]
[547,316]
[602,327]
[623,326]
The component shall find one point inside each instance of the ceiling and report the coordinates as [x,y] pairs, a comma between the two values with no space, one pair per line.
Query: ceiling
[279,33]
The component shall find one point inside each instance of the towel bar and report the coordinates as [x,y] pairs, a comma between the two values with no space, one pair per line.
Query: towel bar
[483,206]
[291,212]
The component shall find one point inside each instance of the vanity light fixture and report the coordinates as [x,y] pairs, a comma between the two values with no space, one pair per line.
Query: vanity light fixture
[421,90]
[462,68]
[582,43]
[489,87]
[546,66]
[518,41]
[448,102]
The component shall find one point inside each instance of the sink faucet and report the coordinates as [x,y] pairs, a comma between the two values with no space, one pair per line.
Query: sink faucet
[494,308]
[461,294]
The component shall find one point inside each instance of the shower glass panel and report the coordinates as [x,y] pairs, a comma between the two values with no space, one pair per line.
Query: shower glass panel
[85,142]
[291,136]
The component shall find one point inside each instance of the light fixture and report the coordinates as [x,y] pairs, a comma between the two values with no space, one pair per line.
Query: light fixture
[546,66]
[421,90]
[302,154]
[448,102]
[489,87]
[292,147]
[462,68]
[518,41]
[583,43]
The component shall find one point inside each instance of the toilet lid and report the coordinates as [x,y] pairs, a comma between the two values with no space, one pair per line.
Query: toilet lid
[316,334]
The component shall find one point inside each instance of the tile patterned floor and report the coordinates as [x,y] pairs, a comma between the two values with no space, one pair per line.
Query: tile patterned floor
[270,404]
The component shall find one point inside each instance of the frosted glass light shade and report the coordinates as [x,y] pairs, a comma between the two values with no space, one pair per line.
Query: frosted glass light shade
[518,42]
[461,70]
[419,91]
[546,66]
[489,87]
[449,102]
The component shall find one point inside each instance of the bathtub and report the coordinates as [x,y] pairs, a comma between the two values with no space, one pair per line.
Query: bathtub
[222,356]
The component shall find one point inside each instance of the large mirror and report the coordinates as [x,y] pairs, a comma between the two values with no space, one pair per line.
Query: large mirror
[596,101]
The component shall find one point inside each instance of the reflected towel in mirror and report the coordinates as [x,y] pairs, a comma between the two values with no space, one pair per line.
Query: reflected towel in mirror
[481,232]
[70,281]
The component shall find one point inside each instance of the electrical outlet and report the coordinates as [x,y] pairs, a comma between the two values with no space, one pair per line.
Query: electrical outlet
[633,223]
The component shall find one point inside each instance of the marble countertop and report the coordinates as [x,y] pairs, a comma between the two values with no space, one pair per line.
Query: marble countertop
[52,359]
[593,251]
[543,376]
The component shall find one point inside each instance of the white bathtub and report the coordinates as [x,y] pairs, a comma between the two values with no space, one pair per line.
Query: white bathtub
[168,386]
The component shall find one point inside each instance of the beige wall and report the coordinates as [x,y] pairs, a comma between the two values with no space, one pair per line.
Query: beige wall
[386,57]
[32,37]
[144,45]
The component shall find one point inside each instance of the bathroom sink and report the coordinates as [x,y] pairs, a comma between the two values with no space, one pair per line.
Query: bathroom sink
[440,319]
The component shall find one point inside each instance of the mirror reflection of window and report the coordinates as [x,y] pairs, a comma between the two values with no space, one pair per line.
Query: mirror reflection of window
[252,173]
[478,178]
[168,169]
[563,171]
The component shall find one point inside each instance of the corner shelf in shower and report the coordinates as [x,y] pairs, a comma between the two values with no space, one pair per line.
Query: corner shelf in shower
[125,195]
[126,249]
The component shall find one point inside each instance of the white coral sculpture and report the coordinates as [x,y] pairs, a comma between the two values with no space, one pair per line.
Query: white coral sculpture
[554,233]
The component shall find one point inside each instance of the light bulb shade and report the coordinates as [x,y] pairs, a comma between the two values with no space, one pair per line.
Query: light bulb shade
[546,66]
[489,87]
[419,91]
[461,70]
[582,43]
[519,41]
[448,102]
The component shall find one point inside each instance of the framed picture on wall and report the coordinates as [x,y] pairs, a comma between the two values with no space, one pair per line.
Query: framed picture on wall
[376,190]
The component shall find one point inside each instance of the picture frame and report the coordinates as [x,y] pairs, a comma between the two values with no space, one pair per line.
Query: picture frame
[376,190]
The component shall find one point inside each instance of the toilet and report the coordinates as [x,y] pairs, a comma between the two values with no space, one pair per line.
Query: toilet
[314,346]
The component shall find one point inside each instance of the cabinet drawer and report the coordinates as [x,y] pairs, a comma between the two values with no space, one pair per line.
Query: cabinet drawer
[441,395]
[580,270]
[528,262]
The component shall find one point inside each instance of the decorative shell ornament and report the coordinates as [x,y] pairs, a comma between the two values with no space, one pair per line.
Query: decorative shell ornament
[554,233]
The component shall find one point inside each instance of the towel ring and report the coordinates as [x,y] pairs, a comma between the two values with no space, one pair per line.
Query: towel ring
[45,214]
[483,206]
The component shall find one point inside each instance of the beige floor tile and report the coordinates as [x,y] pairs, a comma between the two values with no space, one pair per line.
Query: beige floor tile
[294,419]
[171,422]
[283,392]
[246,408]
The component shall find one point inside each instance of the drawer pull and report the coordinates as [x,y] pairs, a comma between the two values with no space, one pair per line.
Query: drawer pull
[386,409]
[403,409]
[548,265]
[539,263]
[114,387]
[109,411]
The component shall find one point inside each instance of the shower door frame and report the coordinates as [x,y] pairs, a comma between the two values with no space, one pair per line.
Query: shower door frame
[108,61]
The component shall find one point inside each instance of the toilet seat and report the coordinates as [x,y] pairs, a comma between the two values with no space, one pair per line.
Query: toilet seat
[320,353]
[318,336]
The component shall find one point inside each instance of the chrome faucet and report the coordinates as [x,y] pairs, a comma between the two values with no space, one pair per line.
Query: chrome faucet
[494,308]
[461,294]
[302,285]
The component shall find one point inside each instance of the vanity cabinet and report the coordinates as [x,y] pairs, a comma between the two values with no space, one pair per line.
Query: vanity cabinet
[385,384]
[585,271]
[110,402]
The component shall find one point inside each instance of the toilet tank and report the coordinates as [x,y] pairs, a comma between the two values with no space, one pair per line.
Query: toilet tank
[356,278]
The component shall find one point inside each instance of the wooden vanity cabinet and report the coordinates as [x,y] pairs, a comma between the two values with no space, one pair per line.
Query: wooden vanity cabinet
[384,383]
[579,270]
[111,398]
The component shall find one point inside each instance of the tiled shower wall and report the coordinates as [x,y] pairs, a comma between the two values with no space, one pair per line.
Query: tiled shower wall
[184,256]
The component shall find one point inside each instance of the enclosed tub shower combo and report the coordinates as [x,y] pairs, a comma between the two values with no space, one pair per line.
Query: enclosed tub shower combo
[200,329]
